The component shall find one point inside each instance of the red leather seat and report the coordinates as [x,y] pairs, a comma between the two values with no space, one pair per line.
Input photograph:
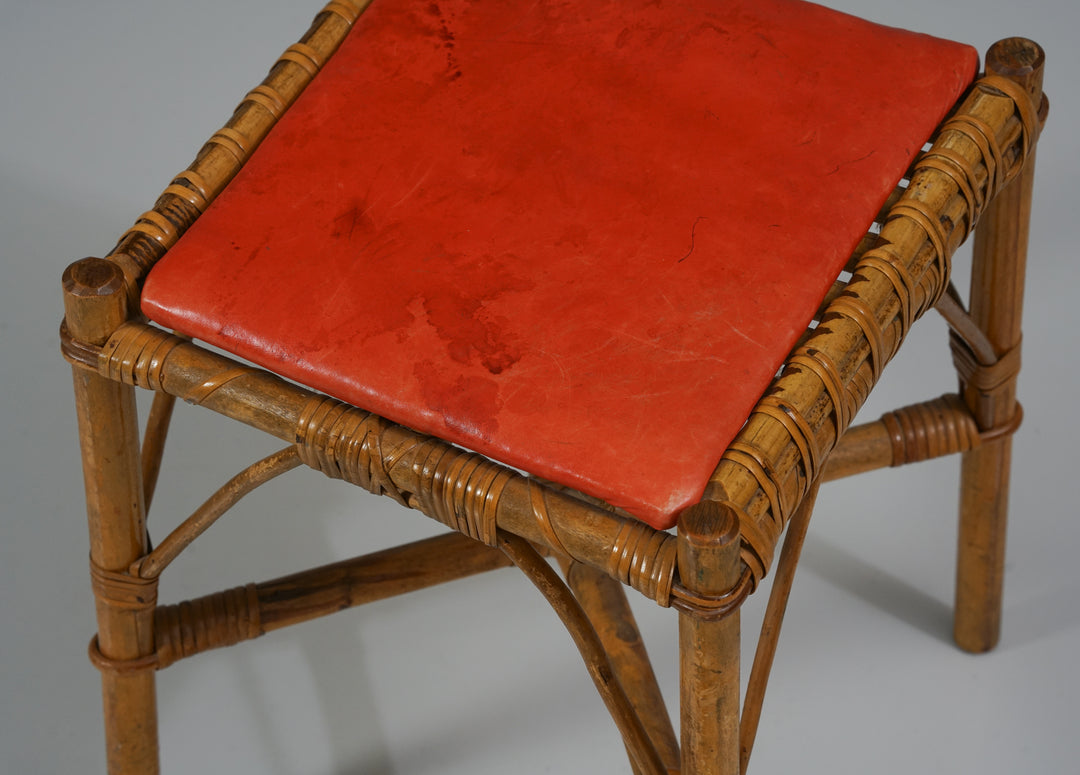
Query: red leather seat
[579,239]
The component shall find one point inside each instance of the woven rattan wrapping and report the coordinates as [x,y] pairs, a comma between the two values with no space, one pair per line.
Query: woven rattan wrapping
[770,466]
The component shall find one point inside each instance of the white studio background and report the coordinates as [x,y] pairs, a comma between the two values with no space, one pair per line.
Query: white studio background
[102,103]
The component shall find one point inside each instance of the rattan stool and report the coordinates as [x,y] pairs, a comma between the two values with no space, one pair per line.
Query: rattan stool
[567,281]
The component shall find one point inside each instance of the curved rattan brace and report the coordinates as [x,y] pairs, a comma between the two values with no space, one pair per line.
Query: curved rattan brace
[255,475]
[562,600]
[959,320]
[153,446]
[772,622]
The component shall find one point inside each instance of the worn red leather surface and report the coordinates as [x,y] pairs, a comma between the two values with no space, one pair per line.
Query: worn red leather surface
[579,237]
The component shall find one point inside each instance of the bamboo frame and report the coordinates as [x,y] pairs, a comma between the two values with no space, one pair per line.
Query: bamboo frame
[989,390]
[797,437]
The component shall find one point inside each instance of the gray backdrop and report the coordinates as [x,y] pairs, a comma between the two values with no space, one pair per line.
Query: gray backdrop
[101,103]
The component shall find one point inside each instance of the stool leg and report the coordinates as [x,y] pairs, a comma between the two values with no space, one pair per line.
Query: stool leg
[997,286]
[95,297]
[604,601]
[709,564]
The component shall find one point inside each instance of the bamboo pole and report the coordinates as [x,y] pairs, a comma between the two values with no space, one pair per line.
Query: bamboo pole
[95,304]
[997,287]
[709,649]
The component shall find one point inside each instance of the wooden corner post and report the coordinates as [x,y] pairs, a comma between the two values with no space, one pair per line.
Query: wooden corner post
[95,303]
[710,567]
[997,288]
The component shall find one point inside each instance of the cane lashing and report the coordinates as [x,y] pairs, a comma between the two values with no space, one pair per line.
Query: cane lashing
[346,443]
[346,9]
[123,590]
[644,559]
[992,380]
[215,621]
[135,355]
[799,430]
[930,223]
[882,260]
[459,489]
[235,143]
[308,58]
[157,227]
[932,429]
[127,592]
[268,98]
